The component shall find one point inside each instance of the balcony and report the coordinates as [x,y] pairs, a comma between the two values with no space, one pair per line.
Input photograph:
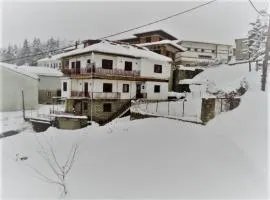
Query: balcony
[96,95]
[100,71]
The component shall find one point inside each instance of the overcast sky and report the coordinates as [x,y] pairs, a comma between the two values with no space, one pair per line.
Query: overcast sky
[221,21]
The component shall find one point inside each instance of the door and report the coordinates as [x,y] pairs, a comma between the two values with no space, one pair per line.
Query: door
[86,94]
[78,67]
[138,90]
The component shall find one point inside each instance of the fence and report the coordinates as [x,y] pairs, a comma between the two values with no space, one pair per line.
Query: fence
[179,109]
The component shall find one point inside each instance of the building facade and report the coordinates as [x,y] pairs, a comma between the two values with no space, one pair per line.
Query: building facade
[203,53]
[101,79]
[14,80]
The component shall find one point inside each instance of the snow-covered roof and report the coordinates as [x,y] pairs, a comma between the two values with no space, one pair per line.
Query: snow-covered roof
[19,70]
[121,49]
[53,57]
[169,42]
[204,42]
[42,71]
[73,47]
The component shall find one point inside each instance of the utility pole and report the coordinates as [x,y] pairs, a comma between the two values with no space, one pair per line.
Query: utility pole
[23,107]
[266,58]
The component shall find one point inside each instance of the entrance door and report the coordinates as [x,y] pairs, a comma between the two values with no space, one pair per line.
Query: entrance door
[138,90]
[86,94]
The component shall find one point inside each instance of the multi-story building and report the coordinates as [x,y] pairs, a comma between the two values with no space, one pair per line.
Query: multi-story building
[241,50]
[203,53]
[157,41]
[101,79]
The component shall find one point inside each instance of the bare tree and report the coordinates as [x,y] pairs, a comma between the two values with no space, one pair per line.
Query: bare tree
[60,170]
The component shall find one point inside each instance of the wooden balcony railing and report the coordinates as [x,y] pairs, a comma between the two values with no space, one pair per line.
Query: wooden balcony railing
[96,95]
[101,71]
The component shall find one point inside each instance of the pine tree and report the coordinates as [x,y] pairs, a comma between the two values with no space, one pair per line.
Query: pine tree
[257,39]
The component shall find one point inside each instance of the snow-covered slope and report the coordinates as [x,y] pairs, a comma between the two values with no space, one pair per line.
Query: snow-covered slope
[150,158]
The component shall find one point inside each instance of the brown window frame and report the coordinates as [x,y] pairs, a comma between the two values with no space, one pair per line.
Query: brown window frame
[107,64]
[105,87]
[128,66]
[157,68]
[156,88]
[125,88]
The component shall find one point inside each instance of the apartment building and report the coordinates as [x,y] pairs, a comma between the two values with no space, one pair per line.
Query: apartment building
[203,53]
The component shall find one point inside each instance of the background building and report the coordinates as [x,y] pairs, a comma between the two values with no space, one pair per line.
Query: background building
[241,50]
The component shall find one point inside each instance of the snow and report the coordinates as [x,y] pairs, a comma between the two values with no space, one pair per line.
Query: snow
[191,82]
[151,158]
[43,71]
[182,67]
[53,57]
[122,49]
[170,42]
[18,69]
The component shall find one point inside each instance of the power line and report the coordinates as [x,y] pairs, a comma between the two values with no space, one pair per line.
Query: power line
[119,33]
[160,20]
[254,7]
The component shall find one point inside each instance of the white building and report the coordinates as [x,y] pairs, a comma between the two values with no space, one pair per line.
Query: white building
[13,80]
[203,53]
[120,72]
[49,85]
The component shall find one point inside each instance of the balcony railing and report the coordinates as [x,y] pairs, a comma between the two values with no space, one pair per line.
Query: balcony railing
[100,71]
[96,95]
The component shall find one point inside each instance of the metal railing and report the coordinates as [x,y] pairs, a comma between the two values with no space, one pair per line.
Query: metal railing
[100,71]
[96,95]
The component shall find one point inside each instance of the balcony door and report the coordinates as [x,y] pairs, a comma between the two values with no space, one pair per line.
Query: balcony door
[86,89]
[78,67]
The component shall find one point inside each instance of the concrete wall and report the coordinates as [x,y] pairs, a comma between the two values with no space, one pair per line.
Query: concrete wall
[12,84]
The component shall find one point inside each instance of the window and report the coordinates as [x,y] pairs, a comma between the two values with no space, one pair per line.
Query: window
[107,87]
[107,64]
[88,61]
[148,39]
[160,38]
[66,63]
[72,65]
[65,86]
[196,49]
[128,66]
[202,50]
[158,68]
[85,105]
[125,88]
[168,53]
[213,51]
[188,49]
[107,107]
[49,94]
[157,88]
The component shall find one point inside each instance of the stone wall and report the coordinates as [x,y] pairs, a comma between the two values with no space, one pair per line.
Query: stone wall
[83,107]
[208,109]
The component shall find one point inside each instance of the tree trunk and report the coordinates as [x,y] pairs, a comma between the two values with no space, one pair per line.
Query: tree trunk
[249,64]
[265,62]
[257,65]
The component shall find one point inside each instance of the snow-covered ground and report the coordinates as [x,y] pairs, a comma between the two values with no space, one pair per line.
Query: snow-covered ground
[149,158]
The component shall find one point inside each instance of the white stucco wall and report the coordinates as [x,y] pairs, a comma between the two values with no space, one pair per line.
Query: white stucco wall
[49,82]
[117,86]
[55,64]
[149,89]
[11,87]
[147,69]
[65,94]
